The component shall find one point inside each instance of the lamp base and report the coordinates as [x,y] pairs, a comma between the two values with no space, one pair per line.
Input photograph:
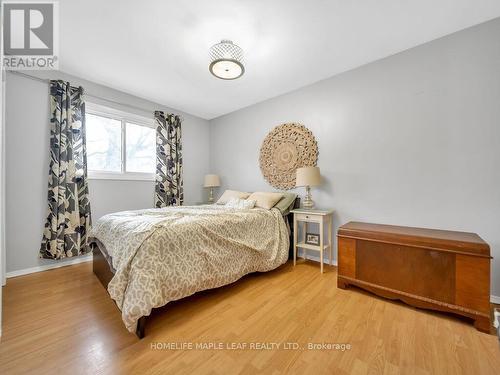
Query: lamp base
[308,203]
[211,196]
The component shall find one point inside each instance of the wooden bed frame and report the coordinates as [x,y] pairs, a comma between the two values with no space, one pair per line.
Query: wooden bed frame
[105,273]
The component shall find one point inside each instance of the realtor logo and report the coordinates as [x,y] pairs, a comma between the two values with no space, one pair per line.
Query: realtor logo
[30,31]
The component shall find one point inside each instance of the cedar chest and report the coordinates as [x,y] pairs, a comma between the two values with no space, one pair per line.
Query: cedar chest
[427,268]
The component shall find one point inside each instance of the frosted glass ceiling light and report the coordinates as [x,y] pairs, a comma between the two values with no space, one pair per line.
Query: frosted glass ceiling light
[226,60]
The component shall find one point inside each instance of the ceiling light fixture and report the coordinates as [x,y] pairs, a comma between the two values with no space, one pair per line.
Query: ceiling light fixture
[226,60]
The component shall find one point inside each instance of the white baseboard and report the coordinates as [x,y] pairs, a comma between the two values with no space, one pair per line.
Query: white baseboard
[88,258]
[315,258]
[495,299]
[45,267]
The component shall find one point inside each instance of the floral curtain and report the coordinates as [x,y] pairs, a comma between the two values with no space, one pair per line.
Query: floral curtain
[68,219]
[169,190]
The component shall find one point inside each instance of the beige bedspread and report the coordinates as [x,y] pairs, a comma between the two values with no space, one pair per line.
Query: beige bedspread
[161,255]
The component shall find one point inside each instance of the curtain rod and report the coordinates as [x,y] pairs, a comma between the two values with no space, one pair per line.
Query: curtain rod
[85,93]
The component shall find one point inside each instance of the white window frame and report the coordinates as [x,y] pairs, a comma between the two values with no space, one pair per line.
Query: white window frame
[124,118]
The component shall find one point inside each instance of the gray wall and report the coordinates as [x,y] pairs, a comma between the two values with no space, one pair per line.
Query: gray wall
[27,140]
[413,139]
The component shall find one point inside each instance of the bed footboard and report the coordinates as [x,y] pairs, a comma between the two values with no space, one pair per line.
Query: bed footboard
[141,327]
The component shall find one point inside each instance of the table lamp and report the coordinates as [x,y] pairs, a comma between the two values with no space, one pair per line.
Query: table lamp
[211,181]
[308,176]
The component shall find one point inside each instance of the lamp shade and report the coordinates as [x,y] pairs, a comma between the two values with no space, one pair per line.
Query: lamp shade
[308,176]
[212,180]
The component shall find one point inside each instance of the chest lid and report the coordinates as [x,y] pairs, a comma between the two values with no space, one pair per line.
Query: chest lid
[445,240]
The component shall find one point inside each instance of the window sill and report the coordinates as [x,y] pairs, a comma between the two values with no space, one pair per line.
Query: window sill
[121,176]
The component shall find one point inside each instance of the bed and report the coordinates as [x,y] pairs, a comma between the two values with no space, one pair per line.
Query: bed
[148,258]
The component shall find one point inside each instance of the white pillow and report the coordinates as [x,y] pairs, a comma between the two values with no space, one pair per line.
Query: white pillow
[243,204]
[232,194]
[265,200]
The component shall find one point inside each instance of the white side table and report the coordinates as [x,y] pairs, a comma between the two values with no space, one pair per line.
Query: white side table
[306,217]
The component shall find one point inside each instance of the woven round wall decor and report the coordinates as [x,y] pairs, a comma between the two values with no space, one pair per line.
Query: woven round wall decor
[286,148]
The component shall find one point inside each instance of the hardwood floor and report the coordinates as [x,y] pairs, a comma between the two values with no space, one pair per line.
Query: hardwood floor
[62,321]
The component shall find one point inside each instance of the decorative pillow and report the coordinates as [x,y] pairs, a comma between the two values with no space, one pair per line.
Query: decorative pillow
[232,194]
[243,204]
[285,204]
[265,200]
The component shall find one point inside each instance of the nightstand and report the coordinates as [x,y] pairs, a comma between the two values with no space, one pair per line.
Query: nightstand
[310,241]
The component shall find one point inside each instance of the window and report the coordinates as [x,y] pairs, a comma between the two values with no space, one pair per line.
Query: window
[104,147]
[141,148]
[120,145]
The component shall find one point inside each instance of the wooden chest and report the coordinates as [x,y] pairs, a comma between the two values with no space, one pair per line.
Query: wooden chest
[434,269]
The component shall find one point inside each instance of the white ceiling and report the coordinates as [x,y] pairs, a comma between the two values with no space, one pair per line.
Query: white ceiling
[158,49]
